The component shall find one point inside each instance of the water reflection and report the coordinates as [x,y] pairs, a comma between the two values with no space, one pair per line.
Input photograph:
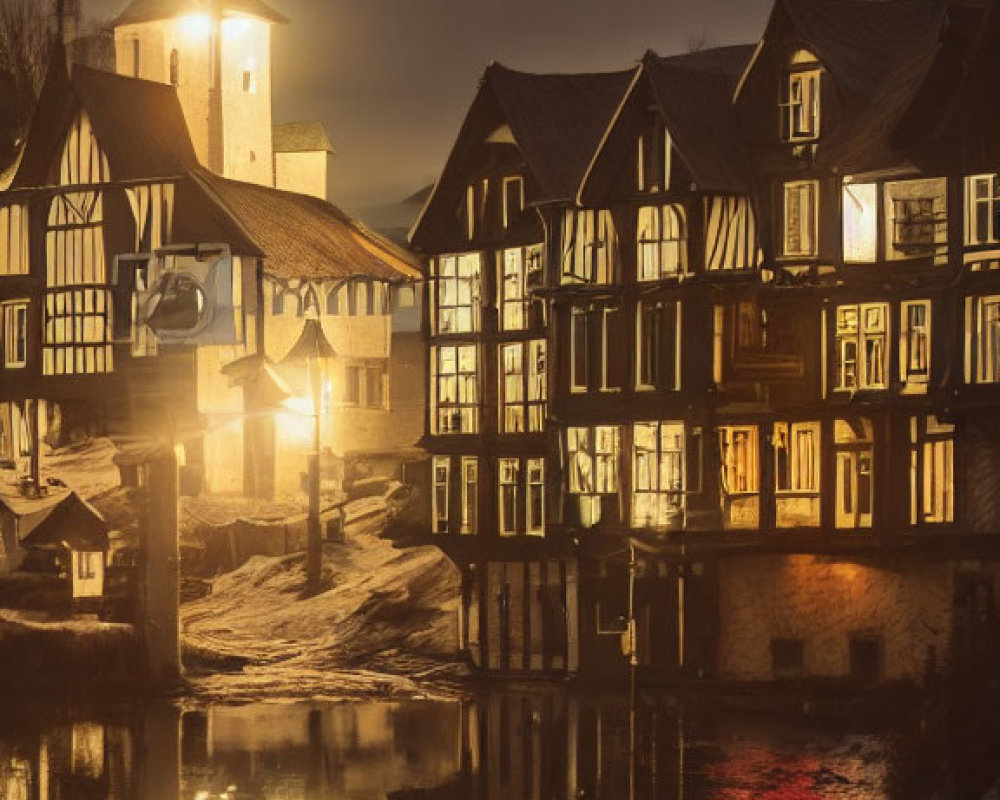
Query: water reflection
[532,744]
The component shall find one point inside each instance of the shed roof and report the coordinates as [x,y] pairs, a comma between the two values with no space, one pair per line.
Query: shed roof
[151,10]
[302,137]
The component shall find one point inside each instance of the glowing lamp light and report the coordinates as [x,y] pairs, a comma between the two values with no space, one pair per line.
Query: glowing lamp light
[235,27]
[195,25]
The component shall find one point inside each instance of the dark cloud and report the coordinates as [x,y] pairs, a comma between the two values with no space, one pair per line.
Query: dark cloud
[392,78]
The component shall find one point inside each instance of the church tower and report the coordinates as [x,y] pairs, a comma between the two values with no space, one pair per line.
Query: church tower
[218,55]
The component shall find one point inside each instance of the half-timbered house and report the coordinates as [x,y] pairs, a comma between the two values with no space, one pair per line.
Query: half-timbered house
[111,199]
[758,445]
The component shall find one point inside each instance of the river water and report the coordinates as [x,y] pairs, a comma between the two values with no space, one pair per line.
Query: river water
[530,744]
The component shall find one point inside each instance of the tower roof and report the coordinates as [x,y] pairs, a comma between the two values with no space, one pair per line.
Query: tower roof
[302,137]
[152,10]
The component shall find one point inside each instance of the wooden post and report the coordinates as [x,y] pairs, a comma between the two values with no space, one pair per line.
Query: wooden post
[32,407]
[161,572]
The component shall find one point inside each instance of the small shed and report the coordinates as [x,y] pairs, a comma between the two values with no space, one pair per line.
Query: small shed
[75,534]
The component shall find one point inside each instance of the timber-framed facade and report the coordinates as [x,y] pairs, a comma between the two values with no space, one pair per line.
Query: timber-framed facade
[713,351]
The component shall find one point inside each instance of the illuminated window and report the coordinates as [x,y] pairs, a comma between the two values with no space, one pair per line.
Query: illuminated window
[662,242]
[982,356]
[523,387]
[855,488]
[915,344]
[510,486]
[456,389]
[457,293]
[589,246]
[861,350]
[441,467]
[593,460]
[658,332]
[800,116]
[518,263]
[15,334]
[796,473]
[535,522]
[14,240]
[800,218]
[658,473]
[932,473]
[513,199]
[982,209]
[470,495]
[860,222]
[740,460]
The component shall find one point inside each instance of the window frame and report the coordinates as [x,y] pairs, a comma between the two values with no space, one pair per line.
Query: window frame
[932,449]
[16,328]
[451,287]
[441,522]
[863,333]
[465,382]
[808,227]
[912,378]
[973,235]
[508,216]
[594,260]
[530,388]
[801,111]
[676,497]
[659,221]
[512,285]
[469,524]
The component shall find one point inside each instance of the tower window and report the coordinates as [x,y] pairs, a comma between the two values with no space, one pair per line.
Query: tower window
[249,81]
[136,57]
[175,68]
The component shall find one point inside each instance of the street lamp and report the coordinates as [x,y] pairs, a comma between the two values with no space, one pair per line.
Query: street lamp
[313,350]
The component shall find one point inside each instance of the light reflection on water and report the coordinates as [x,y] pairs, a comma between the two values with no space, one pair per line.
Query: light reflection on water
[528,745]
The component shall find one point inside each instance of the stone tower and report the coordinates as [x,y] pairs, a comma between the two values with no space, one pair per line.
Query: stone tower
[218,55]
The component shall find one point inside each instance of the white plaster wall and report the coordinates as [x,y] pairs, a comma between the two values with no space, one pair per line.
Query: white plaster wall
[305,173]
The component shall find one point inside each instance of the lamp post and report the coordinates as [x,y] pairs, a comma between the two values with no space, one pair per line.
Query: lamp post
[313,349]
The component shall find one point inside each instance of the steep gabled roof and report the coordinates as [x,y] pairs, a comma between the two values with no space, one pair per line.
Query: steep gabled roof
[858,42]
[302,236]
[140,126]
[693,93]
[556,122]
[152,10]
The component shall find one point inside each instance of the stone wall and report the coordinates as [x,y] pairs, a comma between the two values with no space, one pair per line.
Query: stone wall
[823,603]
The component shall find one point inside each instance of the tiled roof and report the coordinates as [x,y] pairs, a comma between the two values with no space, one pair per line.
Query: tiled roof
[305,237]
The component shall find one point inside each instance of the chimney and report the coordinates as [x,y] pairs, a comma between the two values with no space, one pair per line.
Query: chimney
[67,13]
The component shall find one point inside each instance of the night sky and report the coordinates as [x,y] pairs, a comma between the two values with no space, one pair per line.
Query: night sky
[392,78]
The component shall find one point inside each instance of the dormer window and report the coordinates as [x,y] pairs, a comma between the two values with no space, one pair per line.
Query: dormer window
[513,199]
[800,107]
[653,164]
